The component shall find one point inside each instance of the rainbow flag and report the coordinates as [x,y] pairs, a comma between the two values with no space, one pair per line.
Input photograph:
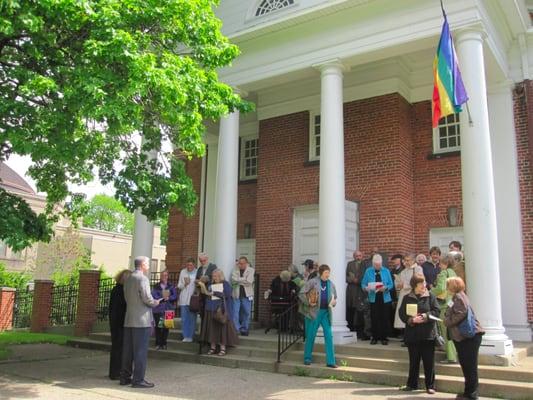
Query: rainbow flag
[448,89]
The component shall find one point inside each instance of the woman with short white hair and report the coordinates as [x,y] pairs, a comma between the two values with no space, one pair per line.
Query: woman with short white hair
[377,281]
[217,325]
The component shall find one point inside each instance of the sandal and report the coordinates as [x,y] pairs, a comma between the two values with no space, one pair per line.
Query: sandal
[222,353]
[211,352]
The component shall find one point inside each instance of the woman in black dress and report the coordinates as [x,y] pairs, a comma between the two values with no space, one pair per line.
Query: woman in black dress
[117,312]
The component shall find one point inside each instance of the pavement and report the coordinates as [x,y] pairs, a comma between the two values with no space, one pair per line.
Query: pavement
[47,371]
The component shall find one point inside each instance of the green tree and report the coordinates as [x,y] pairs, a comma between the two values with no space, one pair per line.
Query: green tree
[108,214]
[80,79]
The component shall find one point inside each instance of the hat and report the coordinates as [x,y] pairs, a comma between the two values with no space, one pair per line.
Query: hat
[309,263]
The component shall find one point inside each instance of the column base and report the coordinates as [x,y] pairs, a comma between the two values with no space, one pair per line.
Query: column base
[340,336]
[501,347]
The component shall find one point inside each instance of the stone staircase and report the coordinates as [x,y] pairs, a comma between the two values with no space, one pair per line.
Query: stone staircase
[361,362]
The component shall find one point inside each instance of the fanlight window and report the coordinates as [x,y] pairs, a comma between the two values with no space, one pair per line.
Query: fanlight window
[267,6]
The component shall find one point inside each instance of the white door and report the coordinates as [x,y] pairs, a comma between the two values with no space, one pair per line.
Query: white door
[305,233]
[246,248]
[441,237]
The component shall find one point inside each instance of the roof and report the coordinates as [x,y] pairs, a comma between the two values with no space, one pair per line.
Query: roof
[13,182]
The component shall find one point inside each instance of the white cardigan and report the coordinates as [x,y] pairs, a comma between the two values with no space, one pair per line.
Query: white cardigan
[186,291]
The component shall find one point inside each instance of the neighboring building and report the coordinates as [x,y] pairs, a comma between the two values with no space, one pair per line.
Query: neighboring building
[340,152]
[108,249]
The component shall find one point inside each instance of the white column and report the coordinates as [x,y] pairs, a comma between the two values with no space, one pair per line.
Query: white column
[332,230]
[143,237]
[143,230]
[479,207]
[226,193]
[507,193]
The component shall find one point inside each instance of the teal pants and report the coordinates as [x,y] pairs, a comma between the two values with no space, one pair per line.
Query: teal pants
[311,328]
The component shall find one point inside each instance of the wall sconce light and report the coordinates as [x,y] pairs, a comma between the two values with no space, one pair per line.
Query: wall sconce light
[452,216]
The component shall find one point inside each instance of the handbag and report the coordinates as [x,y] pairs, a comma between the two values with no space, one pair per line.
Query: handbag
[195,304]
[467,327]
[221,316]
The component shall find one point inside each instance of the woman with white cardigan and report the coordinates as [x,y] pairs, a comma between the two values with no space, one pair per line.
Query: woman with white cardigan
[403,285]
[186,286]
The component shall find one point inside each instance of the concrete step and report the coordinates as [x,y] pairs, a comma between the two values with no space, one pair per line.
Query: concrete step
[517,374]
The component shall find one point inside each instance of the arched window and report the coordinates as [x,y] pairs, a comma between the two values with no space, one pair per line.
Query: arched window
[267,6]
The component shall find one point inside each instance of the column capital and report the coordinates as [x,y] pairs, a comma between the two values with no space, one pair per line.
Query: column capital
[473,32]
[334,66]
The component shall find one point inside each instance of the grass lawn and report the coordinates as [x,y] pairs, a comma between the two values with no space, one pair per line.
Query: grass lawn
[10,338]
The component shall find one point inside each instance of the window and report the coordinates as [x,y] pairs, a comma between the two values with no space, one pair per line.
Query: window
[314,137]
[267,6]
[153,265]
[249,152]
[447,137]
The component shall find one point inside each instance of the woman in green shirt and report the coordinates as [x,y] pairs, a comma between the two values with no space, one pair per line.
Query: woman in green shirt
[444,297]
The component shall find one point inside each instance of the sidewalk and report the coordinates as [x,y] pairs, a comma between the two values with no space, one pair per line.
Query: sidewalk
[58,372]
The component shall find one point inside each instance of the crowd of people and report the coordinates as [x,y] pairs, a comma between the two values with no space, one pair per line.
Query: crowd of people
[417,299]
[137,311]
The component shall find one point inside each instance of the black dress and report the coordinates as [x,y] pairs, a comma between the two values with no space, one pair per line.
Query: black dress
[117,313]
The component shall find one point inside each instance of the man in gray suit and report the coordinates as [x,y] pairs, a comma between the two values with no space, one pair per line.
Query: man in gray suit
[137,325]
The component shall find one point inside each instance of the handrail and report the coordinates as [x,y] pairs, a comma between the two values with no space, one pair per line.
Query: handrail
[290,329]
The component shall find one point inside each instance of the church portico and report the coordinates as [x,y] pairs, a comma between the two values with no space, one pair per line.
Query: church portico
[353,123]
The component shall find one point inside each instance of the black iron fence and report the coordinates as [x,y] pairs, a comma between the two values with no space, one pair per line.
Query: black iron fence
[22,308]
[104,294]
[255,305]
[290,329]
[64,305]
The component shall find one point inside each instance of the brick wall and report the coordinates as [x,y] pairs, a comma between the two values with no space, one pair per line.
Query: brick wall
[523,107]
[182,231]
[437,182]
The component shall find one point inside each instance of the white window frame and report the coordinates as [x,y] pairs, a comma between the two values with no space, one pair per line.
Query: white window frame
[257,4]
[437,149]
[242,160]
[312,135]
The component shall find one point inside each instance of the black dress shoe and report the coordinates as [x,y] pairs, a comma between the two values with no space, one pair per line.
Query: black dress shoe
[114,378]
[125,381]
[143,385]
[332,366]
[244,333]
[364,338]
[374,341]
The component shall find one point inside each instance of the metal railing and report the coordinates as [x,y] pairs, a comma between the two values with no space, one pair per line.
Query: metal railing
[255,304]
[64,305]
[104,294]
[22,308]
[290,329]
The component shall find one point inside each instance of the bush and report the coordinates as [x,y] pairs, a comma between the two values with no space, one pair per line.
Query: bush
[17,280]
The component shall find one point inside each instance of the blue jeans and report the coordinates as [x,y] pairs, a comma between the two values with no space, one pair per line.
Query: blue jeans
[241,314]
[188,322]
[311,328]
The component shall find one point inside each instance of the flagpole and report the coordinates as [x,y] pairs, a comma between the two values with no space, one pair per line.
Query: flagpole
[442,8]
[470,122]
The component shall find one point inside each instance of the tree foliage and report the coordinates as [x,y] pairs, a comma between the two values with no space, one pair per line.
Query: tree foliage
[80,79]
[108,214]
[17,280]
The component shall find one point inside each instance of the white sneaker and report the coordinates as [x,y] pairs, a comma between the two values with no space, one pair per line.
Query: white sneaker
[187,340]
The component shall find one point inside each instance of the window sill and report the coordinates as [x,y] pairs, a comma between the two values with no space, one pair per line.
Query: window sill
[436,156]
[311,163]
[247,181]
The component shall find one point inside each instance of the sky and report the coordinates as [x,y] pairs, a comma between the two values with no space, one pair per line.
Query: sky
[20,165]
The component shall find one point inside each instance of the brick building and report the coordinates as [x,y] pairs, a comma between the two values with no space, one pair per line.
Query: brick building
[340,153]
